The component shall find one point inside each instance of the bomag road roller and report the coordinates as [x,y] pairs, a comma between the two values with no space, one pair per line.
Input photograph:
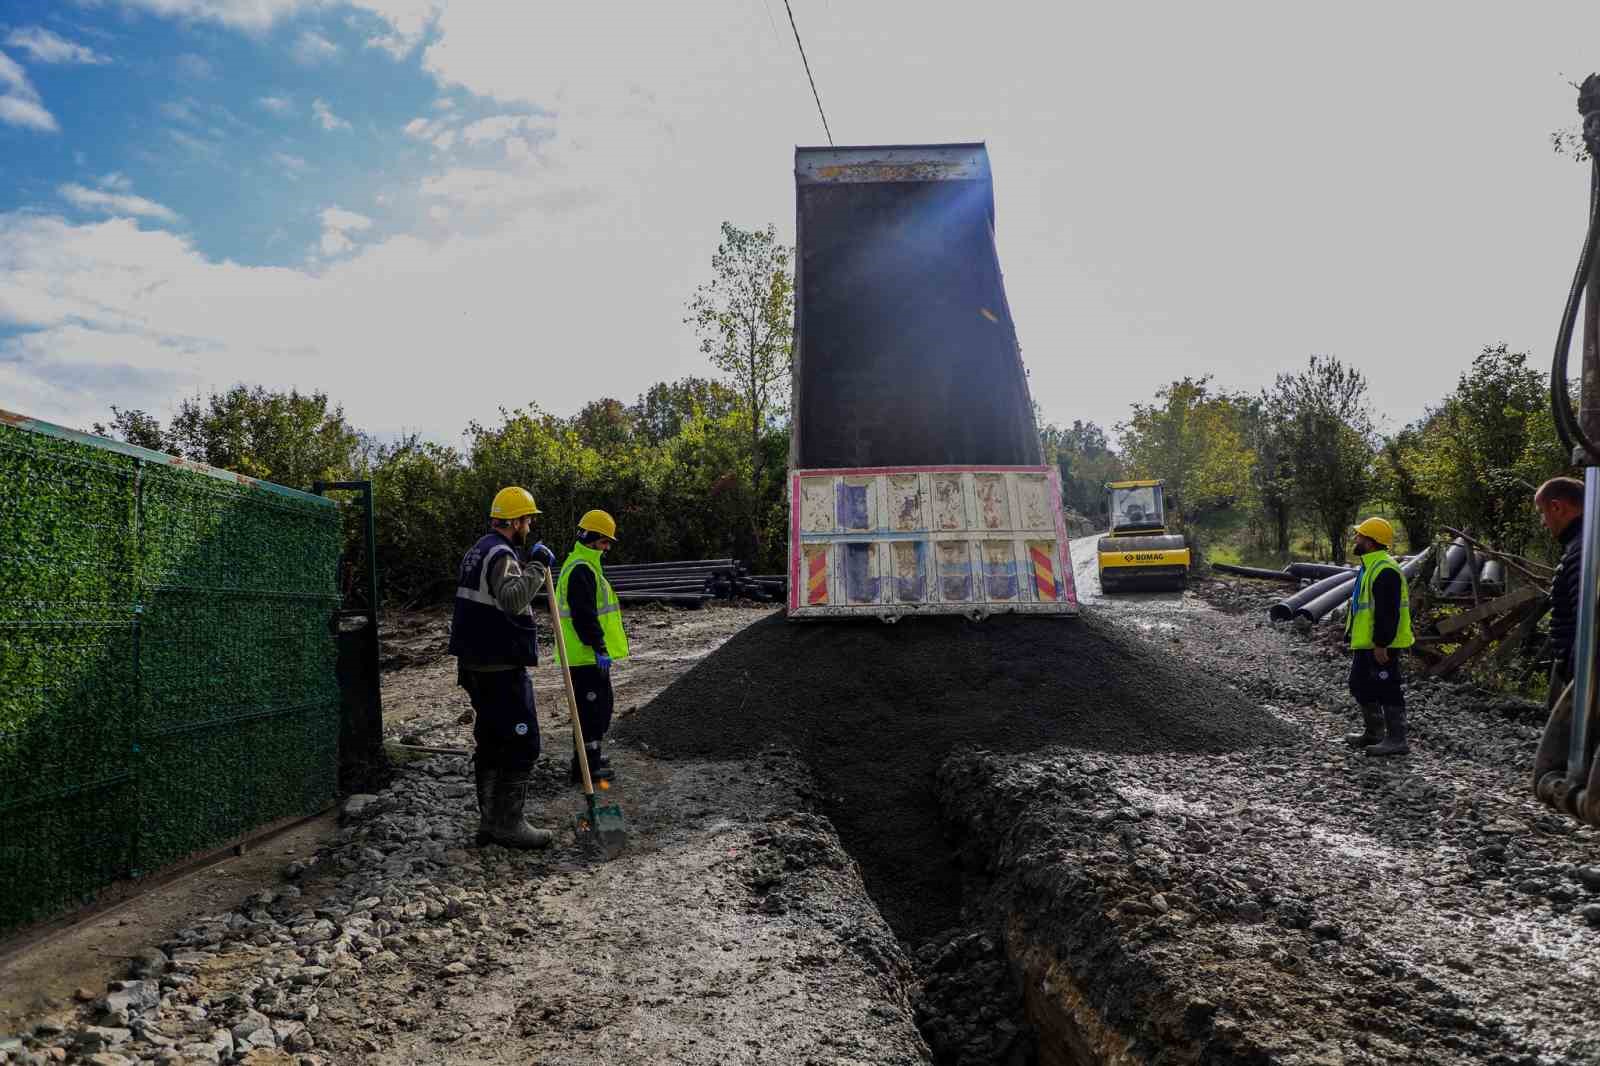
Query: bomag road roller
[1137,552]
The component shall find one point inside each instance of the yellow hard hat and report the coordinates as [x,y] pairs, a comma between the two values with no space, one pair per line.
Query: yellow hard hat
[513,502]
[1377,529]
[599,522]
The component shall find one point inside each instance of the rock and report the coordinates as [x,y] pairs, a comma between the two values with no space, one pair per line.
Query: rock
[1591,914]
[254,1030]
[456,969]
[132,997]
[200,1053]
[1590,876]
[84,995]
[108,1058]
[359,806]
[148,964]
[95,1038]
[1326,930]
[299,1041]
[265,1057]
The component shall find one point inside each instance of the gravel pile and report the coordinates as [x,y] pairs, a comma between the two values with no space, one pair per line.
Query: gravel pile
[874,710]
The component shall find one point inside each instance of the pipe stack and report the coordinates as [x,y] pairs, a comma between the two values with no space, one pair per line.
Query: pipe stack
[691,583]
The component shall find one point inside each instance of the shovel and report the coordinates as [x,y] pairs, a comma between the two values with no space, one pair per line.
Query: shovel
[598,828]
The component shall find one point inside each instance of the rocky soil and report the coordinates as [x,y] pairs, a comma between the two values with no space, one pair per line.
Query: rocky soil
[1296,903]
[1133,838]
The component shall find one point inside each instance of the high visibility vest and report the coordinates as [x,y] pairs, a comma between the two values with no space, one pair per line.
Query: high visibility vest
[480,632]
[1359,623]
[606,606]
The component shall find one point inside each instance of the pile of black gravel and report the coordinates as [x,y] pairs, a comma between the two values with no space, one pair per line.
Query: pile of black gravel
[874,709]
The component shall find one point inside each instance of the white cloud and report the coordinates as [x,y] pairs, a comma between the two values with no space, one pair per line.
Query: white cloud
[337,225]
[326,118]
[48,47]
[19,100]
[180,110]
[295,165]
[251,15]
[116,202]
[116,181]
[196,67]
[311,47]
[278,105]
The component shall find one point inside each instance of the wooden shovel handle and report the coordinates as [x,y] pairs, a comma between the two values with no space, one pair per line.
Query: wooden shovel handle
[566,678]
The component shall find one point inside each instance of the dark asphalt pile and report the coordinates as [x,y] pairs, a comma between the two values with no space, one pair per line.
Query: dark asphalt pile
[875,709]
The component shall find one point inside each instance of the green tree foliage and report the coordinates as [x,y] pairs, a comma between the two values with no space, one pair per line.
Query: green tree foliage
[1265,429]
[1083,455]
[744,317]
[291,438]
[1191,437]
[1413,505]
[674,468]
[1328,423]
[1479,455]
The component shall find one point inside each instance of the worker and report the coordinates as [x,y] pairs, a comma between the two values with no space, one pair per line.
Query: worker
[494,640]
[1559,502]
[1378,628]
[591,628]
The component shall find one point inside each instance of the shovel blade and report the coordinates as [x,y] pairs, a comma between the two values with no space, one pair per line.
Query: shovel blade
[601,830]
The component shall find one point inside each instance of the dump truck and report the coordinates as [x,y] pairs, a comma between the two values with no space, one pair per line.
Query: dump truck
[1137,551]
[916,480]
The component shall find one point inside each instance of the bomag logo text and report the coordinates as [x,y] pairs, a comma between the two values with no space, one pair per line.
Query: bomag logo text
[1144,557]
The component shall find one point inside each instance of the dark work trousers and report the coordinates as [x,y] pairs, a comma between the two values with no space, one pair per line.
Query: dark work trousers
[1374,682]
[593,689]
[506,729]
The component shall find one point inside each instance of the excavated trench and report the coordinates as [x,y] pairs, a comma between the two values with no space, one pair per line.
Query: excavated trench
[911,734]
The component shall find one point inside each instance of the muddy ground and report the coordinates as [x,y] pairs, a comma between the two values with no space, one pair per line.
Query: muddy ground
[1131,838]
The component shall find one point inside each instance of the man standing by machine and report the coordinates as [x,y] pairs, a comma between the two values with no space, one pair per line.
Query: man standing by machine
[1378,628]
[493,638]
[1559,502]
[591,626]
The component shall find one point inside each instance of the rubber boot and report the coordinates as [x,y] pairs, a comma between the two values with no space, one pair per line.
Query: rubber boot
[1372,719]
[487,777]
[599,766]
[1394,719]
[509,826]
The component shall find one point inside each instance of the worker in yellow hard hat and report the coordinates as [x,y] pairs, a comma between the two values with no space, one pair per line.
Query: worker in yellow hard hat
[494,640]
[591,626]
[1379,629]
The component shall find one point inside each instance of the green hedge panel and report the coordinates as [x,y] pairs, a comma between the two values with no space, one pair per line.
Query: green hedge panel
[166,667]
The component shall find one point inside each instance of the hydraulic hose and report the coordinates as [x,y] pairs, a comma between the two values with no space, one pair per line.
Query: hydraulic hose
[1571,432]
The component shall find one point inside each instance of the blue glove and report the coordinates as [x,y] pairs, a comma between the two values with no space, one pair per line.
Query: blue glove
[542,555]
[603,661]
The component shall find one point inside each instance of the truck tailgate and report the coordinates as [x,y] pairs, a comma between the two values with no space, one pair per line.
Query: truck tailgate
[894,541]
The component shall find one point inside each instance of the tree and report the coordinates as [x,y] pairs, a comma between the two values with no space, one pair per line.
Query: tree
[1083,455]
[1272,484]
[744,317]
[1413,505]
[1330,435]
[135,427]
[1479,455]
[663,411]
[291,438]
[1191,439]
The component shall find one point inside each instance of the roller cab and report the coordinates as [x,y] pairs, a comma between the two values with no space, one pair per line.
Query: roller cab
[1138,553]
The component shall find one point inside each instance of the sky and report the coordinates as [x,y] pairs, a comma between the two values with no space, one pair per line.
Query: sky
[433,210]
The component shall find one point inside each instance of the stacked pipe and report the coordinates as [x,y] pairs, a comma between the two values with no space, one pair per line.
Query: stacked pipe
[691,583]
[1313,603]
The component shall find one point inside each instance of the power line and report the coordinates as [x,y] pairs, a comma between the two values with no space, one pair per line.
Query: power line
[809,78]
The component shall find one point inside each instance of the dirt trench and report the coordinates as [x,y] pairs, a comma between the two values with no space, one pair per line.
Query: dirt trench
[1137,839]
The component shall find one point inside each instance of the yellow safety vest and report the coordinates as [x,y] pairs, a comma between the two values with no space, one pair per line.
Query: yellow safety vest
[606,606]
[1359,623]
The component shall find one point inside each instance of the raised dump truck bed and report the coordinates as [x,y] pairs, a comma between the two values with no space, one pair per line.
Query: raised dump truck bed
[916,480]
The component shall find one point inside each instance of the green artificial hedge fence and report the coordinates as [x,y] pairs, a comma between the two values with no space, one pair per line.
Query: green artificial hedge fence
[166,663]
